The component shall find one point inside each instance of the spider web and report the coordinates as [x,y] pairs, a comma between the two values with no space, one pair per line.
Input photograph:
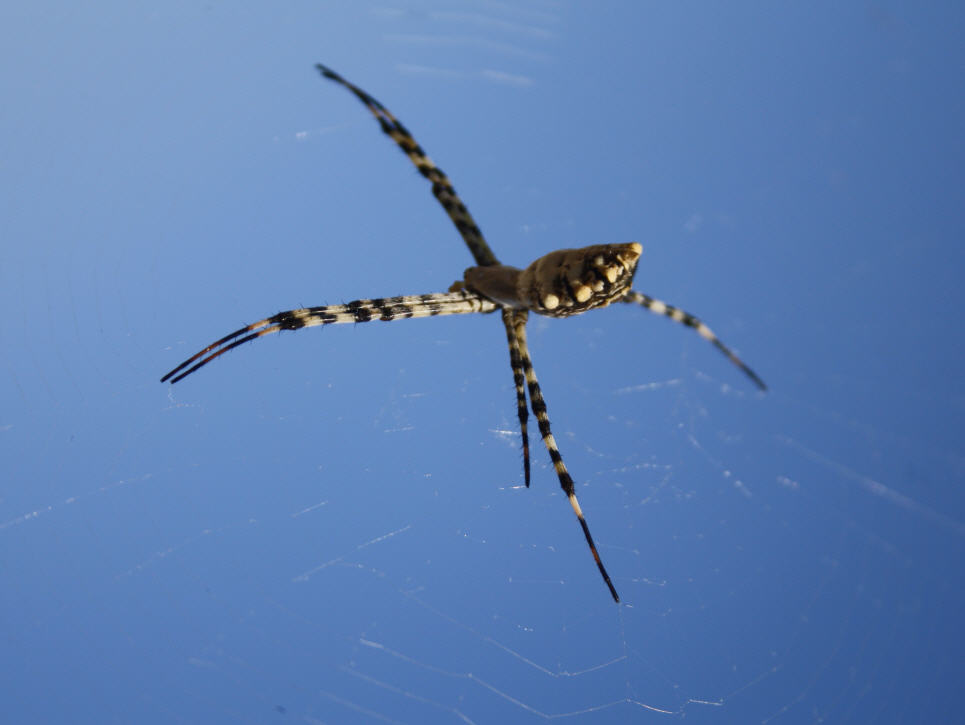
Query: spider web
[332,527]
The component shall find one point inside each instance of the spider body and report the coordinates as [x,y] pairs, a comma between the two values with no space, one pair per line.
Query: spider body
[562,283]
[559,284]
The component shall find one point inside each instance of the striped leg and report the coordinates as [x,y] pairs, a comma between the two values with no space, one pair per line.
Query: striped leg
[539,410]
[387,309]
[515,359]
[685,318]
[442,188]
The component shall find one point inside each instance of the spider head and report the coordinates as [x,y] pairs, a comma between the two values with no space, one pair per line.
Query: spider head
[570,281]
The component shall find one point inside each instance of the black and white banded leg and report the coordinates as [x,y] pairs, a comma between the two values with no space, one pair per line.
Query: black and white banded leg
[386,309]
[442,188]
[538,404]
[519,380]
[685,318]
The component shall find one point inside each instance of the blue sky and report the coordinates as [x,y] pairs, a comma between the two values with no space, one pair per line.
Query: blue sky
[332,525]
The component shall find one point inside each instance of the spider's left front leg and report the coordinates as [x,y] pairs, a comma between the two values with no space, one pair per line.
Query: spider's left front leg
[516,319]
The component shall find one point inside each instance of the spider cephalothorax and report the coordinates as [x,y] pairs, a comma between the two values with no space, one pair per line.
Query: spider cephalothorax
[559,284]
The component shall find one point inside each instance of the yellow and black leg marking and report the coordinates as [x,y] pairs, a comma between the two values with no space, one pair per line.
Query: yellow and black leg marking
[539,410]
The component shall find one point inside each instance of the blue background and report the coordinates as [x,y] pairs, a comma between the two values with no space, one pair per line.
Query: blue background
[331,526]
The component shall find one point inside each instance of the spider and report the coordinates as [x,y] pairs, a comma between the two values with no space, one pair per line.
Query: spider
[560,284]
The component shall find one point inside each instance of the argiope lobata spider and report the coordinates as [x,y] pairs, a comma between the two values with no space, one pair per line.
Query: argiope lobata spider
[559,284]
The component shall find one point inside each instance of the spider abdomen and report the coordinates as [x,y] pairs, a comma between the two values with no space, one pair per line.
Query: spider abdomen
[562,283]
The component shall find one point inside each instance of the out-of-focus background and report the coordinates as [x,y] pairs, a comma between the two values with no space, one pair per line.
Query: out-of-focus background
[331,526]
